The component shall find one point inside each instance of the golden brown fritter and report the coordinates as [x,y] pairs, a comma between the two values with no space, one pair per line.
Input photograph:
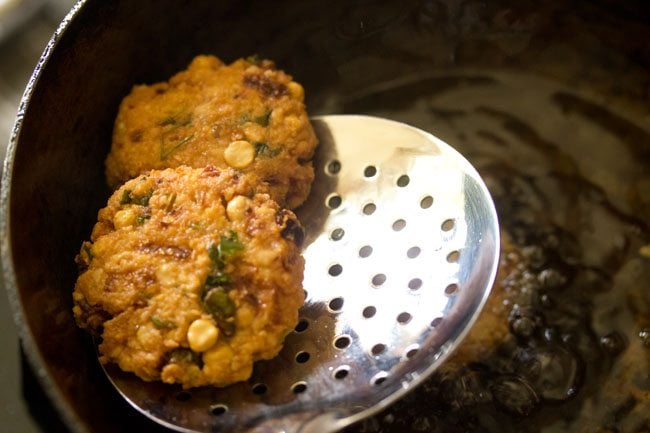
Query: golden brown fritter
[191,277]
[245,115]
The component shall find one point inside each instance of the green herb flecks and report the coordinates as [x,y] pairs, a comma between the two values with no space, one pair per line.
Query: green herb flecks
[170,138]
[217,302]
[87,248]
[227,247]
[213,253]
[169,146]
[264,118]
[162,324]
[129,198]
[217,278]
[179,119]
[126,197]
[141,219]
[170,203]
[244,118]
[182,356]
[254,59]
[263,150]
[196,225]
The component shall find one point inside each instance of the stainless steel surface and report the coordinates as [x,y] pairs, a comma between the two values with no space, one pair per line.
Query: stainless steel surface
[567,164]
[401,251]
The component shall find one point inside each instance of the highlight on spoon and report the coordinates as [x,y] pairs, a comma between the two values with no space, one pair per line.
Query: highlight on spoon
[401,248]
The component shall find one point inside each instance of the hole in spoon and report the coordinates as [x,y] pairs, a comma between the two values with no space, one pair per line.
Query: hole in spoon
[451,289]
[369,312]
[334,201]
[403,180]
[260,389]
[335,270]
[378,349]
[379,378]
[333,167]
[337,234]
[411,351]
[365,251]
[370,171]
[336,304]
[426,202]
[453,256]
[299,387]
[378,280]
[302,357]
[369,209]
[342,342]
[415,284]
[399,225]
[302,326]
[447,225]
[218,409]
[341,372]
[404,318]
[413,252]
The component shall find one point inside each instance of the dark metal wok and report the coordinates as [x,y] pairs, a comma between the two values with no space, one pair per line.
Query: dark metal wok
[549,100]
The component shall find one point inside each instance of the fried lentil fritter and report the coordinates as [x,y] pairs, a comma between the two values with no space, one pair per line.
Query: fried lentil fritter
[247,115]
[190,278]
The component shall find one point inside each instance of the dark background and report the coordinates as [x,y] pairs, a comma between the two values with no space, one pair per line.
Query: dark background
[24,32]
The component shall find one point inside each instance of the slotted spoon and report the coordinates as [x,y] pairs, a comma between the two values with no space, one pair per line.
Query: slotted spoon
[401,250]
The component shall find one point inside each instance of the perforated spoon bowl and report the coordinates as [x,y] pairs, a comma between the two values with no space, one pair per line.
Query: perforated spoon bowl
[401,250]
